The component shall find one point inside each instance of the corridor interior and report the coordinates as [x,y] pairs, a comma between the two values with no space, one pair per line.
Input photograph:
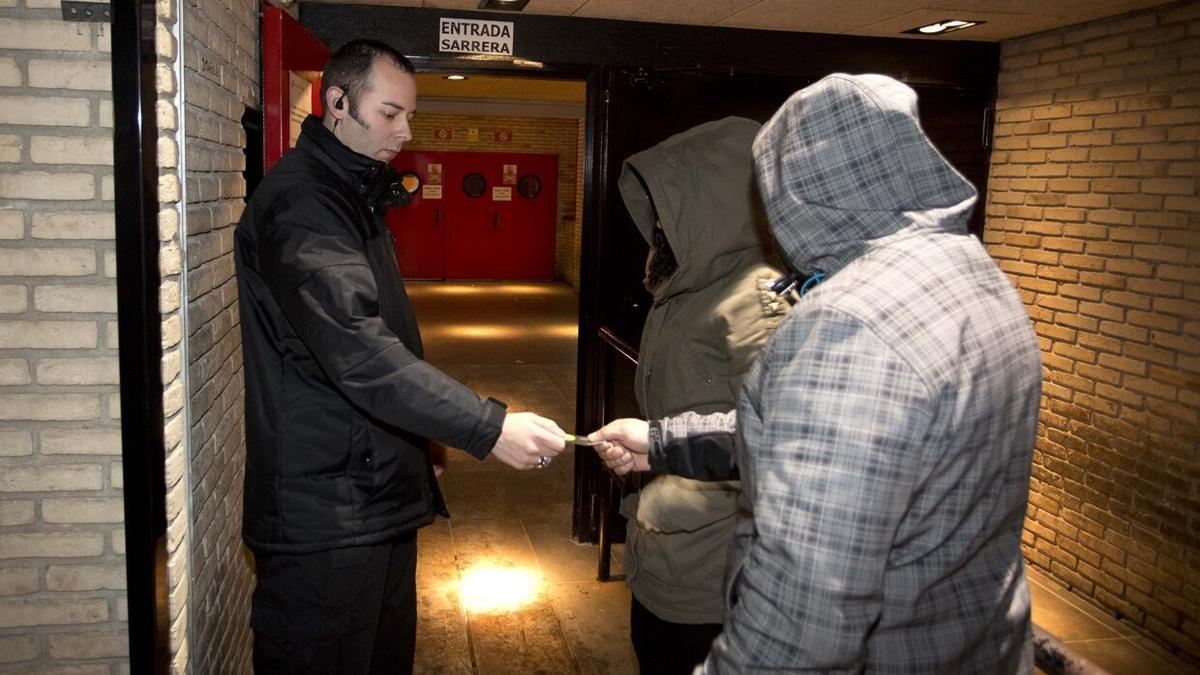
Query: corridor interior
[502,588]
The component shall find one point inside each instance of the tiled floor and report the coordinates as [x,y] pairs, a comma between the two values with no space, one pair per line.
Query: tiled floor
[517,342]
[1107,643]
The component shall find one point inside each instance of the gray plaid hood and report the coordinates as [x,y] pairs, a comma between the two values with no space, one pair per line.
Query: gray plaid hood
[844,161]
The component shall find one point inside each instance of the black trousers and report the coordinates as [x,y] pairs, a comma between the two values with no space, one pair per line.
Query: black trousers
[346,611]
[665,648]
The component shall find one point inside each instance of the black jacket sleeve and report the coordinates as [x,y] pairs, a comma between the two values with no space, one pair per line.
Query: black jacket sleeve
[316,266]
[700,447]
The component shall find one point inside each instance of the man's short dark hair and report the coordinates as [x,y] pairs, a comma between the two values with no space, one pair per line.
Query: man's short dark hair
[350,68]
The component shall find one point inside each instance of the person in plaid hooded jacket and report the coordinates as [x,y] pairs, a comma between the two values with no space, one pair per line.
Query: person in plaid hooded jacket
[884,437]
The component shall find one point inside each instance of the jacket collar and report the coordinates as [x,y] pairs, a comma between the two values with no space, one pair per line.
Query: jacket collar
[361,173]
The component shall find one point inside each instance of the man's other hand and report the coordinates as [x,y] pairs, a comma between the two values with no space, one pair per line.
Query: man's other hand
[623,445]
[528,441]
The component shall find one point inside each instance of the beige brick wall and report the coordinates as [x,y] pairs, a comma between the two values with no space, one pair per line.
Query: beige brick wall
[1093,211]
[221,60]
[62,571]
[170,267]
[548,135]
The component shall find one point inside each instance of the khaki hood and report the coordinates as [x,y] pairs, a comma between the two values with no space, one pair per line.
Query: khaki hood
[845,161]
[700,186]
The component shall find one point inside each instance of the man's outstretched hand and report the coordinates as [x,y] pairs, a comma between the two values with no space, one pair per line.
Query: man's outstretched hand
[528,441]
[623,445]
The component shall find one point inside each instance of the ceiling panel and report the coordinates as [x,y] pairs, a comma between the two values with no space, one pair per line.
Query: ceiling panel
[552,6]
[541,90]
[434,85]
[693,12]
[534,6]
[1005,19]
[1078,10]
[465,5]
[997,26]
[818,17]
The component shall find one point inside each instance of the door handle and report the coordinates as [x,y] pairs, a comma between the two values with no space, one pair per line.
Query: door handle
[495,221]
[437,216]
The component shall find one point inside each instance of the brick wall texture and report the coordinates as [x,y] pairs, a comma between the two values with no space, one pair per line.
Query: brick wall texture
[221,81]
[62,569]
[548,135]
[1093,211]
[171,308]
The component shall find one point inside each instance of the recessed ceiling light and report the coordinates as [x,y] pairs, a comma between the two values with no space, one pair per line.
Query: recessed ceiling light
[944,26]
[504,5]
[456,78]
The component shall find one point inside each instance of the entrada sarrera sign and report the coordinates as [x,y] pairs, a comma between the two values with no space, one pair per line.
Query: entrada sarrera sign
[472,36]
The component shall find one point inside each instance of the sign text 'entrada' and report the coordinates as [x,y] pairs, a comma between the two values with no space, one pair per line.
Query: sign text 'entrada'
[475,37]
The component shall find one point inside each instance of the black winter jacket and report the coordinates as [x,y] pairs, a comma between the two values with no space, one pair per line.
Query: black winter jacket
[339,403]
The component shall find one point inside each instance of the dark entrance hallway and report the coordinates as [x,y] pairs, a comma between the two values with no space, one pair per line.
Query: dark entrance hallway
[502,587]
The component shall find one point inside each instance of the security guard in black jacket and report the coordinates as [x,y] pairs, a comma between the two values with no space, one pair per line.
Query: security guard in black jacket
[339,403]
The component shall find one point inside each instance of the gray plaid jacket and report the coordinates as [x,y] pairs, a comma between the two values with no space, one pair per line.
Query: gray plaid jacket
[884,436]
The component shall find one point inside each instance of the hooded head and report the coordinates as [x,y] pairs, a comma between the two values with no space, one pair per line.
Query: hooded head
[845,161]
[699,185]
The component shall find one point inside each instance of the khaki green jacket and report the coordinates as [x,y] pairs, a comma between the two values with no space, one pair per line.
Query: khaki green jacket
[708,322]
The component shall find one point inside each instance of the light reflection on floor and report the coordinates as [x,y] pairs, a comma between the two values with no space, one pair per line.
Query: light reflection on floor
[502,587]
[491,588]
[461,288]
[468,331]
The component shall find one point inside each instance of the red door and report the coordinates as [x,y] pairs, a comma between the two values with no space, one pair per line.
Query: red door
[419,228]
[474,241]
[534,215]
[493,231]
[477,215]
[287,47]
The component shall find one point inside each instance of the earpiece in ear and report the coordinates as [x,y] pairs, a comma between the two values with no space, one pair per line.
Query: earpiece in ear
[340,103]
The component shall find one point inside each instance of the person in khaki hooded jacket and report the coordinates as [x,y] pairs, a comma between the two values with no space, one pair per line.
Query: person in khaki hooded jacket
[693,198]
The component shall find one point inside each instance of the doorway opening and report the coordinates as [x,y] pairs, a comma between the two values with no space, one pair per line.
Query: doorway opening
[490,249]
[496,163]
[497,297]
